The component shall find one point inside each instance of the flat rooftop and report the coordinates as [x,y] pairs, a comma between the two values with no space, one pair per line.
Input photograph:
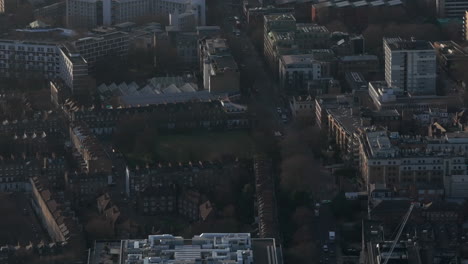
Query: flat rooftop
[408,44]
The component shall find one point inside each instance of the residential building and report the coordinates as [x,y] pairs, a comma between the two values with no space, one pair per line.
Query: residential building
[98,47]
[57,219]
[24,59]
[215,248]
[188,204]
[157,200]
[345,126]
[202,176]
[204,115]
[452,58]
[84,187]
[394,160]
[84,13]
[451,8]
[220,71]
[295,71]
[410,65]
[90,149]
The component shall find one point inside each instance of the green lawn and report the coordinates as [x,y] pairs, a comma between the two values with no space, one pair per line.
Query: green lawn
[202,146]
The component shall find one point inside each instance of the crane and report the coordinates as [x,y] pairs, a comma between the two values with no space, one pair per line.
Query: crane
[402,226]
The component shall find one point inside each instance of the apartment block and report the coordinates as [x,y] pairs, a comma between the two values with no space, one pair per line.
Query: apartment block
[24,59]
[410,65]
[220,71]
[83,13]
[397,160]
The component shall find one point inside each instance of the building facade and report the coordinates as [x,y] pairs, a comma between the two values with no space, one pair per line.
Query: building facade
[93,49]
[23,59]
[410,65]
[295,71]
[395,160]
[220,71]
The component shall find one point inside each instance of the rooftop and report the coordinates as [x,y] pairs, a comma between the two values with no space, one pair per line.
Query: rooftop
[351,123]
[408,44]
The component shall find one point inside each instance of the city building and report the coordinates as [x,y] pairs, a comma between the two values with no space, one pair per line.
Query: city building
[394,160]
[325,102]
[452,58]
[92,152]
[255,14]
[345,44]
[57,219]
[345,126]
[295,71]
[357,13]
[158,90]
[73,70]
[204,115]
[84,187]
[389,98]
[55,12]
[277,23]
[201,176]
[98,47]
[92,13]
[24,59]
[157,200]
[220,71]
[42,60]
[410,65]
[365,64]
[302,107]
[215,248]
[355,81]
[84,13]
[451,8]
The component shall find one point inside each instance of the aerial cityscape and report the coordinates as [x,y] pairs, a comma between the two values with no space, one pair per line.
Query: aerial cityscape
[234,131]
